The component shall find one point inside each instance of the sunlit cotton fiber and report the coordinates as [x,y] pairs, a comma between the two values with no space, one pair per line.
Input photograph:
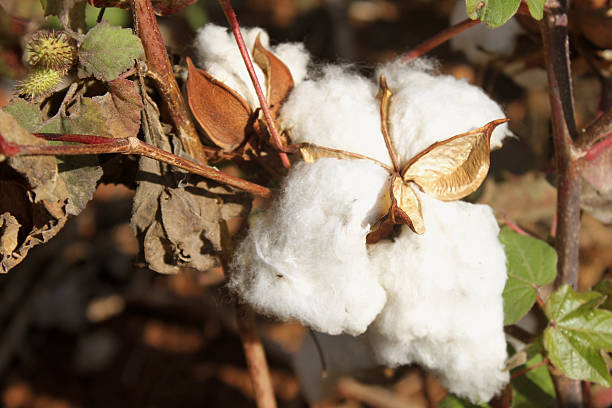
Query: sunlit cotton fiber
[434,298]
[218,54]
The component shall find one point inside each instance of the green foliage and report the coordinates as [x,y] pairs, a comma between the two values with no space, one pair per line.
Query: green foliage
[577,333]
[496,12]
[531,264]
[535,388]
[452,401]
[26,113]
[605,287]
[108,51]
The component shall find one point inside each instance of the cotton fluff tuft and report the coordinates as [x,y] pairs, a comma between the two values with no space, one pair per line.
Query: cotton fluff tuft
[444,307]
[429,108]
[218,54]
[480,43]
[306,257]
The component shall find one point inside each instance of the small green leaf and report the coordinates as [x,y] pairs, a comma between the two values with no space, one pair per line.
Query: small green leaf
[605,287]
[452,401]
[536,8]
[27,114]
[108,51]
[535,388]
[493,12]
[531,263]
[577,334]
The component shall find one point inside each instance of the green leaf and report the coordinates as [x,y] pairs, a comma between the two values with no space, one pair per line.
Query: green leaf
[536,8]
[452,401]
[605,287]
[27,114]
[531,263]
[493,12]
[535,388]
[577,333]
[108,51]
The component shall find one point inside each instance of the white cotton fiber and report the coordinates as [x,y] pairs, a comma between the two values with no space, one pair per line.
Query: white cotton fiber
[480,43]
[444,307]
[337,110]
[306,258]
[427,108]
[218,54]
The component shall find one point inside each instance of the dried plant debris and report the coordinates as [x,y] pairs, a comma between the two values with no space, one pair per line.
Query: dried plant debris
[596,195]
[179,226]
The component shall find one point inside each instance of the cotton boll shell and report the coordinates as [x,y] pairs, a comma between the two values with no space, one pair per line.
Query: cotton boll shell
[426,109]
[306,258]
[444,306]
[219,55]
[480,43]
[338,110]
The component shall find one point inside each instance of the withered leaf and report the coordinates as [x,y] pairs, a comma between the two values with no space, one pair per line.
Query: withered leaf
[121,108]
[452,169]
[34,200]
[406,206]
[179,227]
[223,114]
[279,81]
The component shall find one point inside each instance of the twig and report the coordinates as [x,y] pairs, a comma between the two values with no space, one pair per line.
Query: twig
[128,145]
[598,130]
[554,29]
[255,356]
[528,369]
[163,75]
[230,15]
[438,39]
[374,395]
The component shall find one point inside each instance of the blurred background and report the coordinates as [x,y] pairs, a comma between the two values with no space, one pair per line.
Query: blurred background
[84,324]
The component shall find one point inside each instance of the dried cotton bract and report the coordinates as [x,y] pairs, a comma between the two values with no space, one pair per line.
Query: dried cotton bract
[433,298]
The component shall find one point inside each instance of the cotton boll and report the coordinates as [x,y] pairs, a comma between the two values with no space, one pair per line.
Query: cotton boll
[218,54]
[306,258]
[426,108]
[444,306]
[338,110]
[480,43]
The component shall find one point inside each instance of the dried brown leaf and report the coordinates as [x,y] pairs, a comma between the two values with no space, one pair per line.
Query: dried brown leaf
[279,81]
[121,108]
[405,206]
[220,111]
[452,169]
[9,230]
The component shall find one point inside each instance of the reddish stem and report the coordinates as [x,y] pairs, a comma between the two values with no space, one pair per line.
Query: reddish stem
[528,369]
[161,71]
[539,299]
[515,227]
[438,39]
[230,15]
[128,145]
[600,147]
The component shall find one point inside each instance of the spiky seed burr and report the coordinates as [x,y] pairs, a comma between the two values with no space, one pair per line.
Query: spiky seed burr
[40,82]
[51,49]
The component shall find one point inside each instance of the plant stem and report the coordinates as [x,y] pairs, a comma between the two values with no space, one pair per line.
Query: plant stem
[128,145]
[438,39]
[230,15]
[554,29]
[255,356]
[528,369]
[163,75]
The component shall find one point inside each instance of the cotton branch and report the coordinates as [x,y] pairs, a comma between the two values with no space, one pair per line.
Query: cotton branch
[438,39]
[230,15]
[128,145]
[554,29]
[163,75]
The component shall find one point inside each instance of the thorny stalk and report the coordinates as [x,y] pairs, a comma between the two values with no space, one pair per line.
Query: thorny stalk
[230,15]
[161,71]
[554,30]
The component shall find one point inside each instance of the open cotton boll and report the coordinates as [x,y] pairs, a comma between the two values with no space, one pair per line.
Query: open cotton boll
[305,258]
[337,110]
[444,306]
[219,55]
[480,44]
[429,108]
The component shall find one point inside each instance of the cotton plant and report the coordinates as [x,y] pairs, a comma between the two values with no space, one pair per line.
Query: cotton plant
[366,236]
